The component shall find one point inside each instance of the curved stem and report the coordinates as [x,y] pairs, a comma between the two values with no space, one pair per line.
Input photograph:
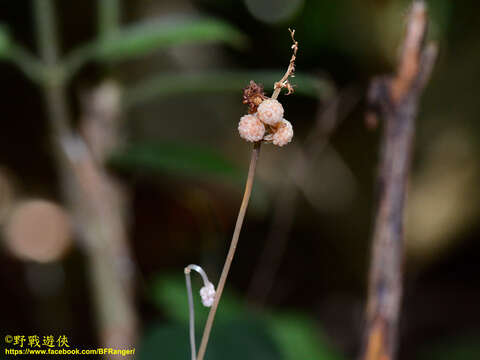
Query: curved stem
[231,251]
[191,310]
[200,271]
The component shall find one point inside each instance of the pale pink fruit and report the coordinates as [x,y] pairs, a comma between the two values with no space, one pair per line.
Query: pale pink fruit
[270,111]
[284,133]
[250,128]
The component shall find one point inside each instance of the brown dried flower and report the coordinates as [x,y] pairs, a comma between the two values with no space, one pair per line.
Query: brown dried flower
[253,95]
[284,83]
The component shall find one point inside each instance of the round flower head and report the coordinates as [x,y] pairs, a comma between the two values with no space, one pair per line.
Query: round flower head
[284,133]
[270,112]
[250,128]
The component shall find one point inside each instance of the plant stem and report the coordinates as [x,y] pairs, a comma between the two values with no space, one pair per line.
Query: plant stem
[191,313]
[94,198]
[47,40]
[53,87]
[191,309]
[396,99]
[231,251]
[47,37]
[108,17]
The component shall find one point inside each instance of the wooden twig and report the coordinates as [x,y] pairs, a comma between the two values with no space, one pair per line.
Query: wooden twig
[394,98]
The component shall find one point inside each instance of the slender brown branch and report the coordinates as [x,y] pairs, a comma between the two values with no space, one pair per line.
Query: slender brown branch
[396,100]
[231,251]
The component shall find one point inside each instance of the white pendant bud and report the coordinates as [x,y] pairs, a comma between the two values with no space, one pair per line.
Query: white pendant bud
[207,293]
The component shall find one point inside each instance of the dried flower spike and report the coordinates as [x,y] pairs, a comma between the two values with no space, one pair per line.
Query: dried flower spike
[283,134]
[270,112]
[253,95]
[284,83]
[251,128]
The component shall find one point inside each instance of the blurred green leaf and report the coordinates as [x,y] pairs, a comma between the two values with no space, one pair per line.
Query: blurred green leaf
[170,294]
[300,338]
[165,342]
[144,38]
[174,158]
[235,340]
[5,41]
[216,82]
[458,348]
[140,39]
[185,160]
[296,336]
[242,339]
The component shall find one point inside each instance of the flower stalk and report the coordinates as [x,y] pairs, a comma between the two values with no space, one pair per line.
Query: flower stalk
[278,86]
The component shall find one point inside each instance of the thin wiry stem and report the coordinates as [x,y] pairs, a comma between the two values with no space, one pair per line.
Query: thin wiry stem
[191,309]
[231,251]
[191,314]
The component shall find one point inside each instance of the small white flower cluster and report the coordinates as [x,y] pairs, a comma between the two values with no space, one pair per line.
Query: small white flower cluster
[207,293]
[266,124]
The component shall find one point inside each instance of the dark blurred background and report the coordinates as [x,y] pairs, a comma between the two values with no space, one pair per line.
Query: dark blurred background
[170,76]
